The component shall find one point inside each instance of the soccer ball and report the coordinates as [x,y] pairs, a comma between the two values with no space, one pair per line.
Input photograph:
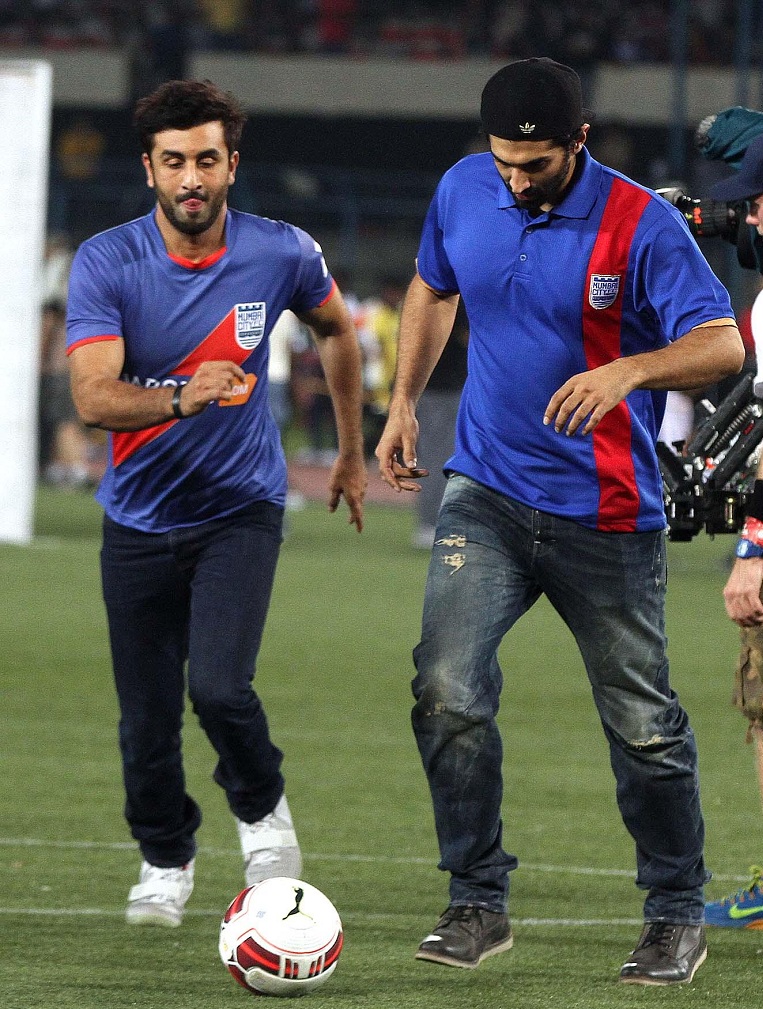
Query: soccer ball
[281,937]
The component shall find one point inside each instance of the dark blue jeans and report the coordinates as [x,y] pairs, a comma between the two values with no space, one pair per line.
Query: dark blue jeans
[491,561]
[199,594]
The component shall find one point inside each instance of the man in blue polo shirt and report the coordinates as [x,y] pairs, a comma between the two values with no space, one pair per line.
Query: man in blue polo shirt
[587,299]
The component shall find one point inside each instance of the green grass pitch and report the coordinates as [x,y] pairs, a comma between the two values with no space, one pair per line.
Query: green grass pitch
[334,674]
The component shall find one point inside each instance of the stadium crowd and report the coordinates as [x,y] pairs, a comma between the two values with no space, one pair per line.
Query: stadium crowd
[580,32]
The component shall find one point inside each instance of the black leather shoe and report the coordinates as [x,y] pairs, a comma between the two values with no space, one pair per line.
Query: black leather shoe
[666,954]
[465,935]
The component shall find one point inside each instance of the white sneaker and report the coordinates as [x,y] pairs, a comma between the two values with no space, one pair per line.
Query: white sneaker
[160,896]
[270,846]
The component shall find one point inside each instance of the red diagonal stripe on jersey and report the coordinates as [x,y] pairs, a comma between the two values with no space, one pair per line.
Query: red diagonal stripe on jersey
[125,443]
[618,490]
[219,345]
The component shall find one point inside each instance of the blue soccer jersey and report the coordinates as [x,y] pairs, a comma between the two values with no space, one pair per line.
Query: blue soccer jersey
[173,314]
[611,271]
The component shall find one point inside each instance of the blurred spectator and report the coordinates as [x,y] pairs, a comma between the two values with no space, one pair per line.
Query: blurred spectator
[225,22]
[312,405]
[362,312]
[287,334]
[56,265]
[168,39]
[310,394]
[383,320]
[161,41]
[281,25]
[79,150]
[510,32]
[335,27]
[640,33]
[437,411]
[69,454]
[711,29]
[615,146]
[423,34]
[63,441]
[578,32]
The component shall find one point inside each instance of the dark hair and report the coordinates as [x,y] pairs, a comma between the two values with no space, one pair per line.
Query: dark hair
[180,105]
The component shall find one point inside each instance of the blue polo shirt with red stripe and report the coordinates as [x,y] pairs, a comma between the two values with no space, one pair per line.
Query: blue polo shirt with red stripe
[174,314]
[611,271]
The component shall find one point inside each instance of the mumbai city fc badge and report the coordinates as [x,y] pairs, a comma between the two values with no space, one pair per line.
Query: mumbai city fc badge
[603,290]
[250,324]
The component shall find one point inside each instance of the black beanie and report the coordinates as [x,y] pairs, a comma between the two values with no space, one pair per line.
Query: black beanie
[535,99]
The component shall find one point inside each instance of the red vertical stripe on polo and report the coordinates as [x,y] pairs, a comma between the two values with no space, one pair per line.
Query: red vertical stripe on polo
[618,489]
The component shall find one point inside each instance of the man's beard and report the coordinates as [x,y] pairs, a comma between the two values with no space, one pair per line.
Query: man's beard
[550,191]
[202,223]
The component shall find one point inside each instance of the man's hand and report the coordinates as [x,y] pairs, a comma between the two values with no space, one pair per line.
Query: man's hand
[104,401]
[741,593]
[349,479]
[584,399]
[213,380]
[396,450]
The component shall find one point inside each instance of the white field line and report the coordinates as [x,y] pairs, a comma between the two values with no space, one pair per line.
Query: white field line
[573,870]
[352,917]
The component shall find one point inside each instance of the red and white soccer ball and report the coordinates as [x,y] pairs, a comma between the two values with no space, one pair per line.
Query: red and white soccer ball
[281,937]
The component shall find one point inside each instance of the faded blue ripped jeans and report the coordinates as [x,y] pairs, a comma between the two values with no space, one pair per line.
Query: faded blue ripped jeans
[492,559]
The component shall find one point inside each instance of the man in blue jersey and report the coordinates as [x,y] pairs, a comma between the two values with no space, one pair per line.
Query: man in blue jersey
[168,325]
[587,298]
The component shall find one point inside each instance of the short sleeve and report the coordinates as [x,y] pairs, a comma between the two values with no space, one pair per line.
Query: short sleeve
[432,261]
[674,281]
[93,306]
[313,282]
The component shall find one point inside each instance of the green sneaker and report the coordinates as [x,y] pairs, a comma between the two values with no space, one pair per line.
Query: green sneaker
[742,910]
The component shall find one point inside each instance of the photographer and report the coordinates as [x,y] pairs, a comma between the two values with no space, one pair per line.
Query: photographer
[742,593]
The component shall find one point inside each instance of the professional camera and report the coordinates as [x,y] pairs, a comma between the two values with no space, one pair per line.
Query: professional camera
[708,481]
[707,485]
[708,218]
[712,218]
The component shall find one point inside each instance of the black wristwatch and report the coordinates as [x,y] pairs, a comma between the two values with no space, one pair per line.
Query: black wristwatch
[176,402]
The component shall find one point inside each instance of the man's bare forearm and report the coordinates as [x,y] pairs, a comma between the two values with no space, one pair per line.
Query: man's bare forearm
[425,325]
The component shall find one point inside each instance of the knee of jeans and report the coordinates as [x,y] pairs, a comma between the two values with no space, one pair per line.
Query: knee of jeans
[663,748]
[149,739]
[443,697]
[455,684]
[210,700]
[655,744]
[439,724]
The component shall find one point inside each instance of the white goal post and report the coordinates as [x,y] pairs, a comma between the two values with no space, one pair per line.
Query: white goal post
[25,111]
